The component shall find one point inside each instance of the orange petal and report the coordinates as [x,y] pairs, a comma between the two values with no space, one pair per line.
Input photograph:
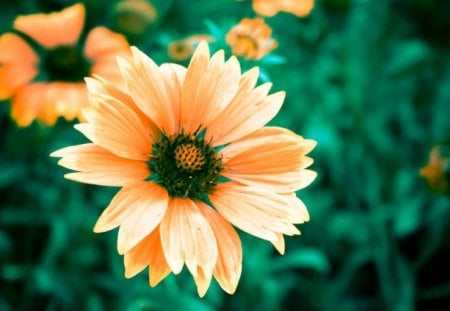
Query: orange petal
[18,64]
[100,167]
[53,29]
[102,42]
[187,237]
[128,201]
[29,103]
[148,252]
[247,113]
[272,158]
[115,127]
[147,211]
[257,211]
[229,260]
[149,90]
[208,88]
[279,243]
[174,76]
[202,281]
[63,99]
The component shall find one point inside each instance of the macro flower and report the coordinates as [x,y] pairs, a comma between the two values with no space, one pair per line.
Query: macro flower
[193,157]
[300,8]
[437,170]
[46,81]
[251,38]
[182,49]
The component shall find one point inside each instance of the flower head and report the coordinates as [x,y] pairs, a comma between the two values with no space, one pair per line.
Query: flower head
[47,83]
[299,8]
[190,151]
[437,170]
[182,49]
[251,38]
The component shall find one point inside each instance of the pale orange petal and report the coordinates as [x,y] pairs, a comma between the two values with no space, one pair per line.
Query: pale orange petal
[100,87]
[130,201]
[247,113]
[279,243]
[100,167]
[271,7]
[217,128]
[114,126]
[229,260]
[149,90]
[257,211]
[272,158]
[147,212]
[102,42]
[27,105]
[202,281]
[158,268]
[187,237]
[148,252]
[53,29]
[174,76]
[18,64]
[65,99]
[209,86]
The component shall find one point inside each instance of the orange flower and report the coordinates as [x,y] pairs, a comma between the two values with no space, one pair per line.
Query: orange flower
[251,38]
[299,8]
[189,148]
[436,171]
[182,49]
[52,85]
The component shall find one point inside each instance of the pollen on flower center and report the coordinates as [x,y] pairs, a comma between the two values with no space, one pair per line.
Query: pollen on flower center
[189,157]
[66,63]
[185,165]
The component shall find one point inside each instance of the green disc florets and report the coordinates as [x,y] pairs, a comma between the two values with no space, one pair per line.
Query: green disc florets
[185,165]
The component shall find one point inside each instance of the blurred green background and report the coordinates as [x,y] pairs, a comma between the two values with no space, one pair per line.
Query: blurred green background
[369,80]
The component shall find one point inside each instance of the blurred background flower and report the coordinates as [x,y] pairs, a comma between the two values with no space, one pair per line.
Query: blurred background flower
[251,38]
[48,83]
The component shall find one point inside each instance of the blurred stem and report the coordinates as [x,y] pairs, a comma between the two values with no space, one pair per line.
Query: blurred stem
[396,281]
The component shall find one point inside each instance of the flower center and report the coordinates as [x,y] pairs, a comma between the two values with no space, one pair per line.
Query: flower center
[66,63]
[185,165]
[189,157]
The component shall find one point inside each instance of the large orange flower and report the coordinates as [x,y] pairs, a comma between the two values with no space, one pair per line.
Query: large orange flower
[299,8]
[251,38]
[189,148]
[50,84]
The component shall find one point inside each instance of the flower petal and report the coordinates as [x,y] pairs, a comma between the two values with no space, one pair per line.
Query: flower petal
[247,112]
[53,29]
[130,200]
[272,158]
[209,86]
[100,167]
[149,90]
[114,126]
[103,47]
[187,237]
[148,252]
[146,212]
[229,260]
[18,64]
[257,211]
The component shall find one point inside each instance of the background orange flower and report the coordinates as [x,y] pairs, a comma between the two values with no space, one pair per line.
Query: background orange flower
[48,83]
[251,38]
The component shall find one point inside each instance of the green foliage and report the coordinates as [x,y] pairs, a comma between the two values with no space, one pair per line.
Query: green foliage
[367,79]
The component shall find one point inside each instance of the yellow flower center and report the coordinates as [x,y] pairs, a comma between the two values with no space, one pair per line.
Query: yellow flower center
[185,165]
[189,157]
